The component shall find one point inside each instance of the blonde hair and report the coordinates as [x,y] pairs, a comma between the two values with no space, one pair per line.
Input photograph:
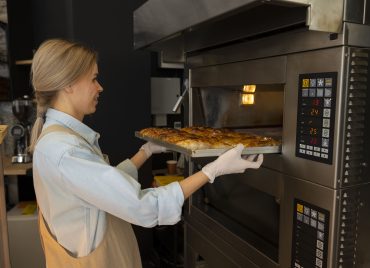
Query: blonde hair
[56,64]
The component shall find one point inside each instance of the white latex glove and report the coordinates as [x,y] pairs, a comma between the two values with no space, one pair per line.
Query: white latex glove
[231,162]
[152,148]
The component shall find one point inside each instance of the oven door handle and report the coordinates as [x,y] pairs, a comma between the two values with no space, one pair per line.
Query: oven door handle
[181,98]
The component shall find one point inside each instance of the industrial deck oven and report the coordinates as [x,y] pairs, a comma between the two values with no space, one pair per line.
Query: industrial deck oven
[309,204]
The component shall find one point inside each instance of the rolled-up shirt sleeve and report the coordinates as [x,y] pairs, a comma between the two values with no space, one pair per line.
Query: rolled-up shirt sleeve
[116,191]
[128,167]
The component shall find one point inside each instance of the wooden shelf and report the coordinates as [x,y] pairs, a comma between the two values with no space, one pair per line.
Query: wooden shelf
[16,168]
[23,62]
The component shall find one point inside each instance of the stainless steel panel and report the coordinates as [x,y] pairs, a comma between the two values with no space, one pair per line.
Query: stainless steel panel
[164,93]
[317,195]
[171,53]
[246,25]
[358,35]
[285,43]
[263,71]
[346,235]
[210,152]
[276,45]
[159,19]
[328,60]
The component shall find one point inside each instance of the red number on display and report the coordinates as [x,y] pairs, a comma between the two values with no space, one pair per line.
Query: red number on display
[316,102]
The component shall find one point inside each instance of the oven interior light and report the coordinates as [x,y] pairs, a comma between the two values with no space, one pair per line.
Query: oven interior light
[249,88]
[247,99]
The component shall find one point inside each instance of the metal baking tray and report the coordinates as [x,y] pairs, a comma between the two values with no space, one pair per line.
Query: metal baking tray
[210,152]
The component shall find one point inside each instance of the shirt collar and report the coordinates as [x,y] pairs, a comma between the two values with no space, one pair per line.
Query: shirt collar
[69,121]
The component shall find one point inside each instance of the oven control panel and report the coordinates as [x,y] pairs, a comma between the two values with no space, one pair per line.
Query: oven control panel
[310,236]
[315,116]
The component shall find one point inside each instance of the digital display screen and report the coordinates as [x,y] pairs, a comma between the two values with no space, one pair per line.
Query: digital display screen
[312,131]
[315,117]
[312,111]
[311,140]
[310,235]
[312,102]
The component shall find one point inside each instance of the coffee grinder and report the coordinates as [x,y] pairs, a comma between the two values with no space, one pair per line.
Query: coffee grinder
[22,110]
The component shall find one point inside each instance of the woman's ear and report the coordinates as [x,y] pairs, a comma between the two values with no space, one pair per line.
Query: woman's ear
[68,89]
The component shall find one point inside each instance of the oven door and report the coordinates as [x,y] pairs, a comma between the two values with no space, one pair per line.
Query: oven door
[240,217]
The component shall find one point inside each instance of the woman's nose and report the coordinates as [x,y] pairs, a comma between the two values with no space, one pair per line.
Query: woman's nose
[100,88]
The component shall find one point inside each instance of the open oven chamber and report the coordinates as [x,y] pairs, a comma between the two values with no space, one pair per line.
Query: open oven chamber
[308,206]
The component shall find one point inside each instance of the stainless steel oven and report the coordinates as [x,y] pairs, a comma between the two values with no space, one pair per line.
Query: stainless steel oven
[309,205]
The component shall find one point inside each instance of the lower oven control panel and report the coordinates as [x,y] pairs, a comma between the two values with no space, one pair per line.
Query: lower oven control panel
[315,116]
[310,236]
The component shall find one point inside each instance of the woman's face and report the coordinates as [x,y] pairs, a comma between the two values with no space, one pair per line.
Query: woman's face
[86,93]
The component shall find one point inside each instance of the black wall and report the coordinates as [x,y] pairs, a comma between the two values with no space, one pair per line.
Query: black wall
[124,105]
[124,73]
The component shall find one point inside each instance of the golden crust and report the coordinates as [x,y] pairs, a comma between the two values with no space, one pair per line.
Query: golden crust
[195,138]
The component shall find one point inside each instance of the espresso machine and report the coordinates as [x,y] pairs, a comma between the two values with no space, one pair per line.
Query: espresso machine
[22,109]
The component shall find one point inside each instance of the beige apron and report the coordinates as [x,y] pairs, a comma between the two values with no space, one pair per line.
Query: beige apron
[118,249]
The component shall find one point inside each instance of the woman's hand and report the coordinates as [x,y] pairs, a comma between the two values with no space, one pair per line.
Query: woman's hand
[231,162]
[152,148]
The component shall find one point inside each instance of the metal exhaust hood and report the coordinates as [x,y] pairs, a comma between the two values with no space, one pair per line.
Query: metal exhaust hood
[159,20]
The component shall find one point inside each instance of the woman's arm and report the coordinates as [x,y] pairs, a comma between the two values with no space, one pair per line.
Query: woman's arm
[193,183]
[139,158]
[145,152]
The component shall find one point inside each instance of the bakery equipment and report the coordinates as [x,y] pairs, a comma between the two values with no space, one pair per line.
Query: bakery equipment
[309,205]
[22,109]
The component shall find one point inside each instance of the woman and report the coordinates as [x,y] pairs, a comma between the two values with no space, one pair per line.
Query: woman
[87,206]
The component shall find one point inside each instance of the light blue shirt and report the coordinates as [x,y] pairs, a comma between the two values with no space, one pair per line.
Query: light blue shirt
[75,187]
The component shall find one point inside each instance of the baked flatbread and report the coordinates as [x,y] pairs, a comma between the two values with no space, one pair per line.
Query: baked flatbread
[196,138]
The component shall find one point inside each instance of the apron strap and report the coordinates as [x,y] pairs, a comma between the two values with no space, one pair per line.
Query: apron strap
[59,128]
[46,131]
[39,225]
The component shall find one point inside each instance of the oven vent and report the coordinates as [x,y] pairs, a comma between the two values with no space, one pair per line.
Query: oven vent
[354,150]
[350,200]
